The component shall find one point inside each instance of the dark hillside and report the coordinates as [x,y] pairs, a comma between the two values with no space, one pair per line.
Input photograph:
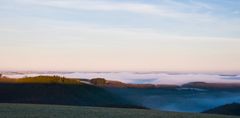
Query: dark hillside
[56,90]
[228,109]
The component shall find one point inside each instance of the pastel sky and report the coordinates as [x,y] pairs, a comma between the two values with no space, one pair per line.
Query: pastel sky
[120,35]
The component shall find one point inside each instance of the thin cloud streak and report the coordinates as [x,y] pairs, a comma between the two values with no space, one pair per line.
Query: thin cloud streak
[170,9]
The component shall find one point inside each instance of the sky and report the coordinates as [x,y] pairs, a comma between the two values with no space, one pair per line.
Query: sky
[120,35]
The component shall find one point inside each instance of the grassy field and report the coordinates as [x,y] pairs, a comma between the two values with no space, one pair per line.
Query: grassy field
[58,111]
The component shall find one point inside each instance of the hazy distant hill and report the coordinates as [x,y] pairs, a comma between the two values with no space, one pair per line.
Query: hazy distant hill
[212,85]
[101,82]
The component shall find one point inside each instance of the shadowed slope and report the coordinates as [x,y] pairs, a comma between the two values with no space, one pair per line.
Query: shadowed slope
[57,90]
[228,109]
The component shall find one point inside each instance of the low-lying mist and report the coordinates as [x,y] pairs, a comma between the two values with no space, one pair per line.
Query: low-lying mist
[180,100]
[146,78]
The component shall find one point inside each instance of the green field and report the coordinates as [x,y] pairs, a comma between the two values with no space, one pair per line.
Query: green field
[58,111]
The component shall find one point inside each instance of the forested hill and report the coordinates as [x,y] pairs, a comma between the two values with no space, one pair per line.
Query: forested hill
[58,90]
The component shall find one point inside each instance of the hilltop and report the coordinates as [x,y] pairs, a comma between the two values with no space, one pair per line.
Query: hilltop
[40,80]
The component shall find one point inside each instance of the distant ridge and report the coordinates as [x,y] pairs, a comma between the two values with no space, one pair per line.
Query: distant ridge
[212,85]
[202,85]
[102,82]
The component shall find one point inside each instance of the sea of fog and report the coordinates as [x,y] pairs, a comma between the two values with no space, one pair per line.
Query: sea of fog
[180,100]
[145,78]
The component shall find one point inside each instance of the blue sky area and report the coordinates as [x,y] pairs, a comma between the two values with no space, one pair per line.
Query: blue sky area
[120,35]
